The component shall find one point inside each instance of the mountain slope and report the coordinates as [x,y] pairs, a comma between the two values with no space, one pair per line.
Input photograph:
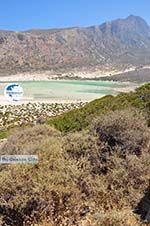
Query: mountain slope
[116,45]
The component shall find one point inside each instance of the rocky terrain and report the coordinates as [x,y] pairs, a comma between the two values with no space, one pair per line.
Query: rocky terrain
[32,113]
[112,47]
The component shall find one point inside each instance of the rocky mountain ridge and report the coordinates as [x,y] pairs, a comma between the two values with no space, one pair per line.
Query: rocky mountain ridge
[118,45]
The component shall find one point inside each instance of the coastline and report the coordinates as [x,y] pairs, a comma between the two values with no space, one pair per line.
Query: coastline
[124,88]
[48,75]
[28,100]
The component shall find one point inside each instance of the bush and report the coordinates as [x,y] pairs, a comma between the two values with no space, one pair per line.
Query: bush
[83,145]
[81,178]
[126,130]
[31,193]
[116,218]
[69,184]
[21,140]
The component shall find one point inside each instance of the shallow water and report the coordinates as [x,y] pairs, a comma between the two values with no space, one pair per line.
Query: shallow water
[66,89]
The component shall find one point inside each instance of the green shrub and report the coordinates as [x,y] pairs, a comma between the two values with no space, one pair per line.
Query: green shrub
[79,119]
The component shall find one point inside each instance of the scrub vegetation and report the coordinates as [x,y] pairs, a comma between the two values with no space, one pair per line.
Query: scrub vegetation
[93,169]
[79,119]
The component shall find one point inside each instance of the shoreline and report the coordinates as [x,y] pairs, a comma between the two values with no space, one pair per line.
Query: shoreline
[51,100]
[48,75]
[45,77]
[7,79]
[27,100]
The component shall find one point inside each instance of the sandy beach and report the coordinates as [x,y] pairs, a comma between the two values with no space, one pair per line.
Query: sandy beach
[48,75]
[126,89]
[26,100]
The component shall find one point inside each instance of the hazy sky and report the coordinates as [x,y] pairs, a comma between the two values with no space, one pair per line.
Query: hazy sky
[26,14]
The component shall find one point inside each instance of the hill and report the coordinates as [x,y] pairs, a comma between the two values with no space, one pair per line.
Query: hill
[93,171]
[117,46]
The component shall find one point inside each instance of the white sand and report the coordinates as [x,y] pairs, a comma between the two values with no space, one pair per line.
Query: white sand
[48,75]
[26,100]
[125,89]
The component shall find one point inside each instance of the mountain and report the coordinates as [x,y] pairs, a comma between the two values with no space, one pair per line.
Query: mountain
[118,45]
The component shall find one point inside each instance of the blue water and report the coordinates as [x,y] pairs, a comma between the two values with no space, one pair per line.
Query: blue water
[66,89]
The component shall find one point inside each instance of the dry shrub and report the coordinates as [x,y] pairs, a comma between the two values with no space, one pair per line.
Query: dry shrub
[82,145]
[116,218]
[126,130]
[32,193]
[21,140]
[76,177]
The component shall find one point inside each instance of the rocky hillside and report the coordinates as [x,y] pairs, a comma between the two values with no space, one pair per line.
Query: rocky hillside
[116,45]
[93,167]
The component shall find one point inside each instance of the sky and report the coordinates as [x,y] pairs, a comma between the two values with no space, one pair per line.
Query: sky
[22,15]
